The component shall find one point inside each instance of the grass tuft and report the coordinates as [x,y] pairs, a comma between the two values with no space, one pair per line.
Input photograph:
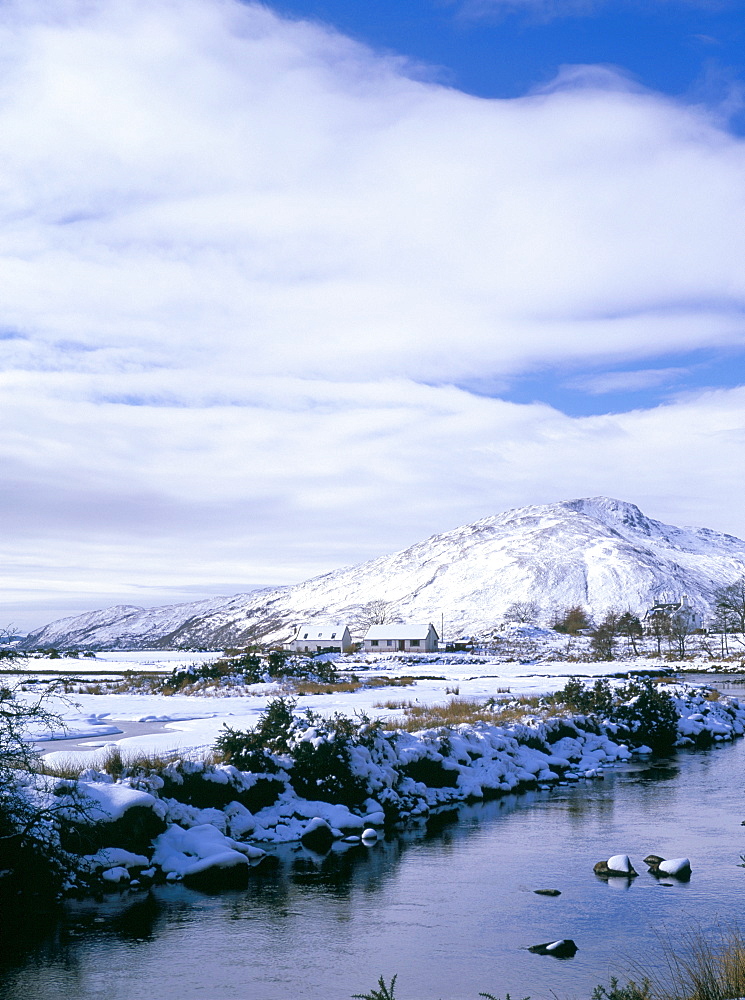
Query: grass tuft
[459,711]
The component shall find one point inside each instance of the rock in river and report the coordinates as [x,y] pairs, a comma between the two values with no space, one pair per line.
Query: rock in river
[565,948]
[619,864]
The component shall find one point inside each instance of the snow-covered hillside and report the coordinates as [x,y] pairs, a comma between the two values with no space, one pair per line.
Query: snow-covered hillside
[599,552]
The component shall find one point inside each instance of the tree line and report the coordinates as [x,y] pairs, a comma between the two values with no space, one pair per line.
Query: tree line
[674,626]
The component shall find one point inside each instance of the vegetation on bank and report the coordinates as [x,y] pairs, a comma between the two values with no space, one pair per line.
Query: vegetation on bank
[294,761]
[698,966]
[640,709]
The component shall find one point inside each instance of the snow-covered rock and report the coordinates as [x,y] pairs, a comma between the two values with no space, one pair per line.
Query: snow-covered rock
[618,864]
[679,868]
[201,851]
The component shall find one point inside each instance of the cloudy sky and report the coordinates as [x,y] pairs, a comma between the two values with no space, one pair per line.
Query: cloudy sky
[287,287]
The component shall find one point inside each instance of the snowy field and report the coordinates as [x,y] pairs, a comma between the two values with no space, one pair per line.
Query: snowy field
[147,723]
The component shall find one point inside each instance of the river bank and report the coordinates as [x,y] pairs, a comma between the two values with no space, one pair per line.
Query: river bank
[300,777]
[447,903]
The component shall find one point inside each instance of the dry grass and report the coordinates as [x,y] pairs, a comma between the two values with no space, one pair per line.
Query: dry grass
[697,966]
[459,711]
[114,763]
[321,687]
[349,686]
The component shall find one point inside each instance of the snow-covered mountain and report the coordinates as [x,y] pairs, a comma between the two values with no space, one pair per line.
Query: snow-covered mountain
[598,552]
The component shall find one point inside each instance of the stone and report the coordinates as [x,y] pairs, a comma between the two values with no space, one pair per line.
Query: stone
[679,868]
[547,892]
[565,948]
[619,864]
[318,836]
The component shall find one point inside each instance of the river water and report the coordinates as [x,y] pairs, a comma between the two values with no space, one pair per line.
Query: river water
[450,910]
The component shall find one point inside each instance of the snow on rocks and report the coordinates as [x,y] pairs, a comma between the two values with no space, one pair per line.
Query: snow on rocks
[618,864]
[702,722]
[565,948]
[679,868]
[111,857]
[115,875]
[202,855]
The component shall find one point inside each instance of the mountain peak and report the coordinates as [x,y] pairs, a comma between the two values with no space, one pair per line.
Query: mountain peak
[597,552]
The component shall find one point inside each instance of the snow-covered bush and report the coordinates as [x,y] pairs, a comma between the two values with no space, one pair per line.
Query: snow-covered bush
[649,713]
[254,749]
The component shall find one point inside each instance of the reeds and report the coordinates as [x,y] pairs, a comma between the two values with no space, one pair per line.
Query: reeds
[697,965]
[113,762]
[459,711]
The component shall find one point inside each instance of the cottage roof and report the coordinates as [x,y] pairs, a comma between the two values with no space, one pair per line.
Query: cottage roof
[314,632]
[394,631]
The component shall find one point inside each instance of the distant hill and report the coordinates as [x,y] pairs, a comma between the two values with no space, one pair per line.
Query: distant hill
[598,552]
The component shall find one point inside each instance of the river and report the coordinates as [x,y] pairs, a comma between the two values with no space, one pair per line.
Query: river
[450,909]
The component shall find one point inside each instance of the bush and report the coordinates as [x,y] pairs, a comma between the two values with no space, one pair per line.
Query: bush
[252,750]
[324,771]
[320,768]
[649,714]
[595,700]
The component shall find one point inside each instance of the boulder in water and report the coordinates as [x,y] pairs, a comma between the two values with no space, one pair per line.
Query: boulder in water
[619,864]
[564,948]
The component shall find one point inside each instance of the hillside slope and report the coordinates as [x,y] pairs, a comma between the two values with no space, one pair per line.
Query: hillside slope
[597,552]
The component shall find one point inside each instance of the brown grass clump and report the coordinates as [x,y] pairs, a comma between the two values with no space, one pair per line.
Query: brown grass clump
[697,966]
[114,763]
[332,687]
[319,687]
[460,711]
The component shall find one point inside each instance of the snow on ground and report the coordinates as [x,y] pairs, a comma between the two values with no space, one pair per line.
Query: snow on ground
[142,661]
[193,722]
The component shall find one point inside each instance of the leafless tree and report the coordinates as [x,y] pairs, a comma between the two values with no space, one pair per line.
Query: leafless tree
[657,624]
[29,849]
[729,606]
[376,612]
[522,611]
[682,626]
[630,628]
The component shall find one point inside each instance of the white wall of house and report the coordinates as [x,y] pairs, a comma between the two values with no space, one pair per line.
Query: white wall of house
[315,638]
[393,638]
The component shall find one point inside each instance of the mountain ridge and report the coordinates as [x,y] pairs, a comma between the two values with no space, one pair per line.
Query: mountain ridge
[599,552]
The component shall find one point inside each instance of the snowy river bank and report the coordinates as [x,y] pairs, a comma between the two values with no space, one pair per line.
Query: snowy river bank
[409,780]
[449,906]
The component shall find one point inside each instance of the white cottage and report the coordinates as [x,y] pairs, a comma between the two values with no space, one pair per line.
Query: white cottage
[401,638]
[666,606]
[315,638]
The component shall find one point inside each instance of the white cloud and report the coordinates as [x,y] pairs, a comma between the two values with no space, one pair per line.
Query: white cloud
[627,381]
[234,248]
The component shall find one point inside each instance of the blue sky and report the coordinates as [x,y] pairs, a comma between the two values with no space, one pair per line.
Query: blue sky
[289,287]
[690,50]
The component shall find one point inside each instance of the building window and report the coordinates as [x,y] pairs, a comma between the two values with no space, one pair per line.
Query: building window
[373,642]
[414,642]
[389,642]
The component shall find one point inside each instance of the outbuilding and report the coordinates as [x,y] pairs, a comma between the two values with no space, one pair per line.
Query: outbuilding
[315,638]
[401,638]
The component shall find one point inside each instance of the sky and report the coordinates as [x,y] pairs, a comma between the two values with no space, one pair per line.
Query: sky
[286,287]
